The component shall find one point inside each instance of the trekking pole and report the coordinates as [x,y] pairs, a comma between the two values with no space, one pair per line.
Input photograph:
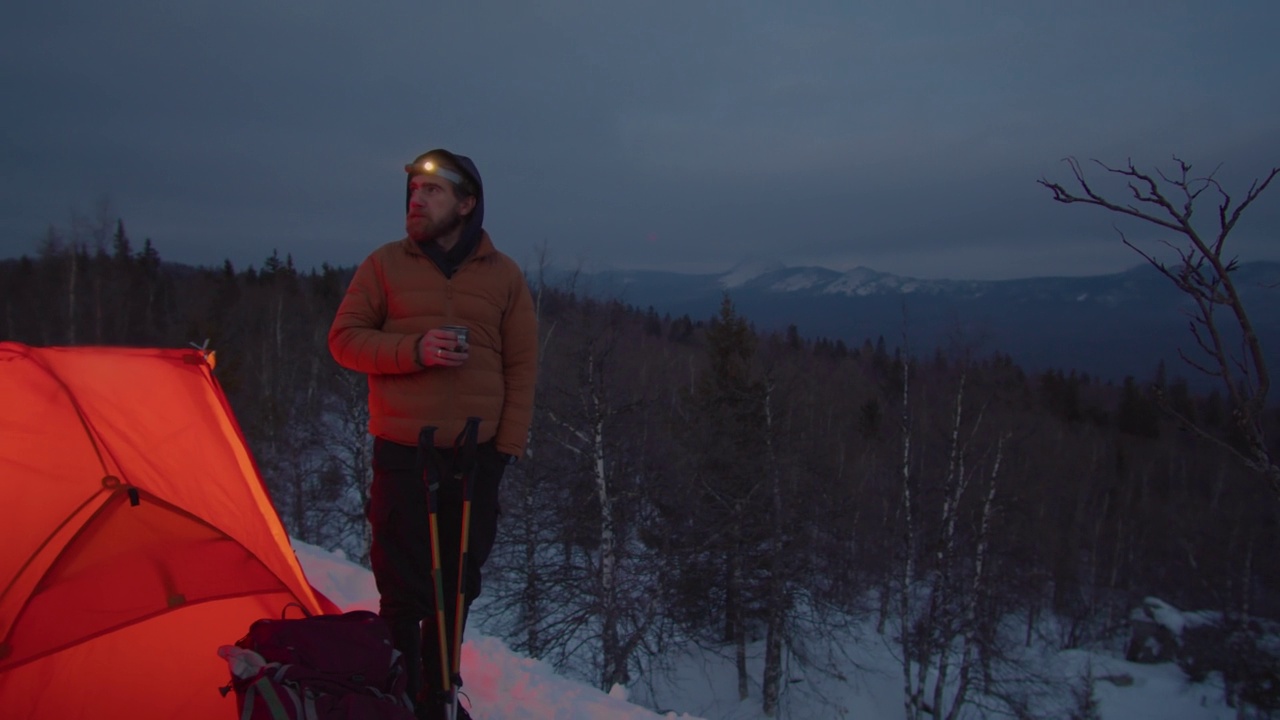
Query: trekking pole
[431,477]
[464,450]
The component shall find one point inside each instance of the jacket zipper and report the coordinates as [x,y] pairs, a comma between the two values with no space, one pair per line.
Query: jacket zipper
[451,391]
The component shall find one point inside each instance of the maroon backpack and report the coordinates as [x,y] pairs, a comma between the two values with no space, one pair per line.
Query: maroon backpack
[323,667]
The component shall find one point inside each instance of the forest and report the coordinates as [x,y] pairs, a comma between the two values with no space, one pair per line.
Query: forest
[697,479]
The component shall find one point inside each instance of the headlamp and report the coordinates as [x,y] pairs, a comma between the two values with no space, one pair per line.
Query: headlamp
[427,166]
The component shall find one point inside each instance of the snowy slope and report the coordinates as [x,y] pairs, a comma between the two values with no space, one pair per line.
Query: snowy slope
[500,684]
[505,686]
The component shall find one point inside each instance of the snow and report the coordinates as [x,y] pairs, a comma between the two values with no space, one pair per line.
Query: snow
[858,281]
[865,281]
[1163,614]
[864,683]
[500,684]
[1159,692]
[1171,618]
[798,281]
[746,271]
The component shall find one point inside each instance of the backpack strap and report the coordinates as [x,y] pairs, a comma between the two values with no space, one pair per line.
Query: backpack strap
[263,686]
[309,703]
[284,611]
[268,685]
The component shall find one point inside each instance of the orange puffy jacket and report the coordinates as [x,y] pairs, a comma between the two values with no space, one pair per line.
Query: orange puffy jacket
[398,294]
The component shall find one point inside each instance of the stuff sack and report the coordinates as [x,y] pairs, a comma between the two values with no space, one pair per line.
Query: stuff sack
[323,667]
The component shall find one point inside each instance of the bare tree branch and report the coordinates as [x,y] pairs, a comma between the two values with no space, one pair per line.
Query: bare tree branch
[1204,275]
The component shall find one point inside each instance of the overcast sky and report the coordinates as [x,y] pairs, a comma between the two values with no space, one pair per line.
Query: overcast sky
[904,136]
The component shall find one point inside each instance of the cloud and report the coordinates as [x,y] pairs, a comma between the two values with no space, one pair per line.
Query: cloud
[222,129]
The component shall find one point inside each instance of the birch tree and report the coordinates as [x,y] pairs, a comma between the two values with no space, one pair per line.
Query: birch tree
[945,580]
[598,594]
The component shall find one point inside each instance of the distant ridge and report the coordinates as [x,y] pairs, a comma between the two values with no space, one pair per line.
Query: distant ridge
[1109,326]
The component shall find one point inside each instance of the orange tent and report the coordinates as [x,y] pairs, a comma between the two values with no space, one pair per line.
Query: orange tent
[136,536]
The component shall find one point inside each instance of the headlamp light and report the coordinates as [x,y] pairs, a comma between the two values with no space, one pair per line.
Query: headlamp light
[426,166]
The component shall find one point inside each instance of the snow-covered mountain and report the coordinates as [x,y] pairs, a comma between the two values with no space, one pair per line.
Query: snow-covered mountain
[747,271]
[1110,326]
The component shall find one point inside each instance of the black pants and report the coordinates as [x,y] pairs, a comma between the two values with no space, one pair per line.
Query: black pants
[401,548]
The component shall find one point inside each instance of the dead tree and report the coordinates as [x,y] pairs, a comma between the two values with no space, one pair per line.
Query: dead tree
[1203,274]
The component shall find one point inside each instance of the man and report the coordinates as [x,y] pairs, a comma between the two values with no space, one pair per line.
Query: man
[390,326]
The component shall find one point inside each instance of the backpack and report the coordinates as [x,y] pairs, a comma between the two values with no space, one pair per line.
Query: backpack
[322,667]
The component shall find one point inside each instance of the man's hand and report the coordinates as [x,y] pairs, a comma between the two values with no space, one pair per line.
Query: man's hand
[436,349]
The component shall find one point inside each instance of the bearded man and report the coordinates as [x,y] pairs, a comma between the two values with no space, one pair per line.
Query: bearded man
[443,325]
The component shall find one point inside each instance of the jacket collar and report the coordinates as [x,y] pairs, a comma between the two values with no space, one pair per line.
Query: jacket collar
[447,263]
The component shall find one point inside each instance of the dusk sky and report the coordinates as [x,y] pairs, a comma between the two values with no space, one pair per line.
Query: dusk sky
[903,136]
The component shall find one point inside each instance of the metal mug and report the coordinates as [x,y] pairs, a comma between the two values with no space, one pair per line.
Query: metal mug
[460,331]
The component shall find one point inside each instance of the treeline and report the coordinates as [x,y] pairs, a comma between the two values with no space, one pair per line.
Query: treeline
[697,478]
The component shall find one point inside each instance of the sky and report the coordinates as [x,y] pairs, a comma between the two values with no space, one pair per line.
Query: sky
[503,685]
[676,135]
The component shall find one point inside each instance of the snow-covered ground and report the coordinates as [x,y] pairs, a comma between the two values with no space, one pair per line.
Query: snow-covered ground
[500,684]
[503,685]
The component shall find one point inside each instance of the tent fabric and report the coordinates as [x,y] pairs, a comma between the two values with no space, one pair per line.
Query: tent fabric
[136,535]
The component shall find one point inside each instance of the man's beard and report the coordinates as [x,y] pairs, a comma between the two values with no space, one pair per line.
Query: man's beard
[436,229]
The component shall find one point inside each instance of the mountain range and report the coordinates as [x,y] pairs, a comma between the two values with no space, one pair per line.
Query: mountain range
[1109,326]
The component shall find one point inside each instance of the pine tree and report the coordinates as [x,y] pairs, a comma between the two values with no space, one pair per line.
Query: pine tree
[725,442]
